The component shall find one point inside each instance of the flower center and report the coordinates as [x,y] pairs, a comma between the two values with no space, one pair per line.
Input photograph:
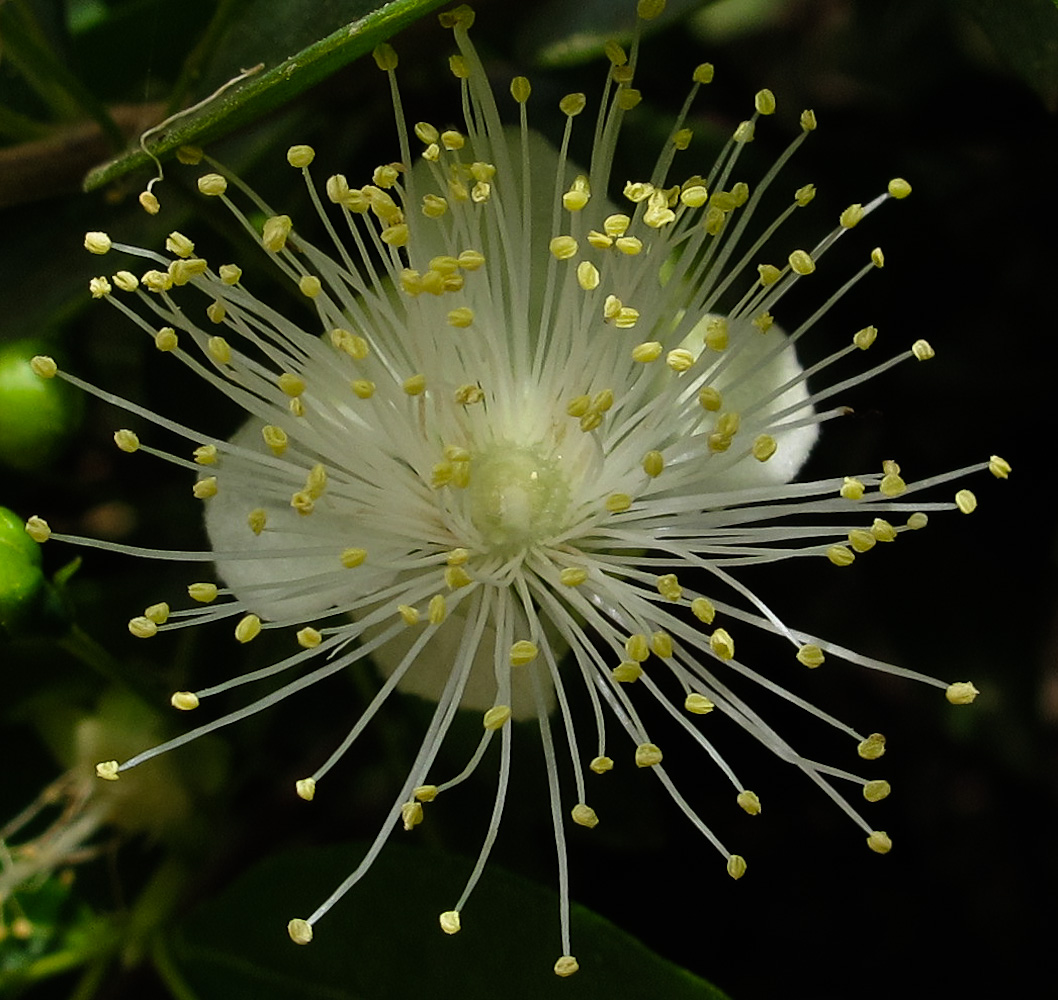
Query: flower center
[519,495]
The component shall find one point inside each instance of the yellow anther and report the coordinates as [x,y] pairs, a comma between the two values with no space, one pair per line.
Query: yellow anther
[637,647]
[681,139]
[877,257]
[396,235]
[212,184]
[352,344]
[584,815]
[248,629]
[409,614]
[658,213]
[810,655]
[578,195]
[310,286]
[275,437]
[852,489]
[142,627]
[219,349]
[521,89]
[703,73]
[467,395]
[883,530]
[573,576]
[126,440]
[647,10]
[716,333]
[415,385]
[661,645]
[292,385]
[917,521]
[899,188]
[694,196]
[157,613]
[386,175]
[769,274]
[166,339]
[892,485]
[457,577]
[572,104]
[434,206]
[216,311]
[872,747]
[100,287]
[204,593]
[749,802]
[615,53]
[496,717]
[679,360]
[364,388]
[851,216]
[205,488]
[179,244]
[600,765]
[636,191]
[879,842]
[353,557]
[452,140]
[127,281]
[922,350]
[38,529]
[710,399]
[308,637]
[563,247]
[461,318]
[411,814]
[999,467]
[425,793]
[449,921]
[186,701]
[437,609]
[669,587]
[149,203]
[961,693]
[841,555]
[275,232]
[702,609]
[300,931]
[764,446]
[107,770]
[966,501]
[721,643]
[801,262]
[648,755]
[744,132]
[698,704]
[523,652]
[875,791]
[647,352]
[764,102]
[627,672]
[804,195]
[736,866]
[861,541]
[385,57]
[653,464]
[566,966]
[627,97]
[808,120]
[629,245]
[305,788]
[97,242]
[617,503]
[626,318]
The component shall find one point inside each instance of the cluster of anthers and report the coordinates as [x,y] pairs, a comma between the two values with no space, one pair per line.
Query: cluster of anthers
[512,411]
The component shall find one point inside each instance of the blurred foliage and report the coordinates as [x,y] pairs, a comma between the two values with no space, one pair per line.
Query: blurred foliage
[954,94]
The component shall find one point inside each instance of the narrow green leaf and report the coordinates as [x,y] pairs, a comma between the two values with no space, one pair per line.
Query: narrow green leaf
[383,940]
[281,78]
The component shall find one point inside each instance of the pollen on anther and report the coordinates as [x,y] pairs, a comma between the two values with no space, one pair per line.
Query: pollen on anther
[810,655]
[872,747]
[721,643]
[648,755]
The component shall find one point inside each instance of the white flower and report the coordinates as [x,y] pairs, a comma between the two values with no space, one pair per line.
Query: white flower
[527,427]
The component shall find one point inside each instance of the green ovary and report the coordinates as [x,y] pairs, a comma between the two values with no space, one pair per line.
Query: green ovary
[518,496]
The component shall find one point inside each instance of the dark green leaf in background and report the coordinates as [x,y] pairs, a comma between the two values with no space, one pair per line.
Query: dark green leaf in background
[386,943]
[299,44]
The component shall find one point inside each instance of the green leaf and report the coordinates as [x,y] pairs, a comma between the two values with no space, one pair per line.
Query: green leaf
[1024,34]
[383,940]
[265,32]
